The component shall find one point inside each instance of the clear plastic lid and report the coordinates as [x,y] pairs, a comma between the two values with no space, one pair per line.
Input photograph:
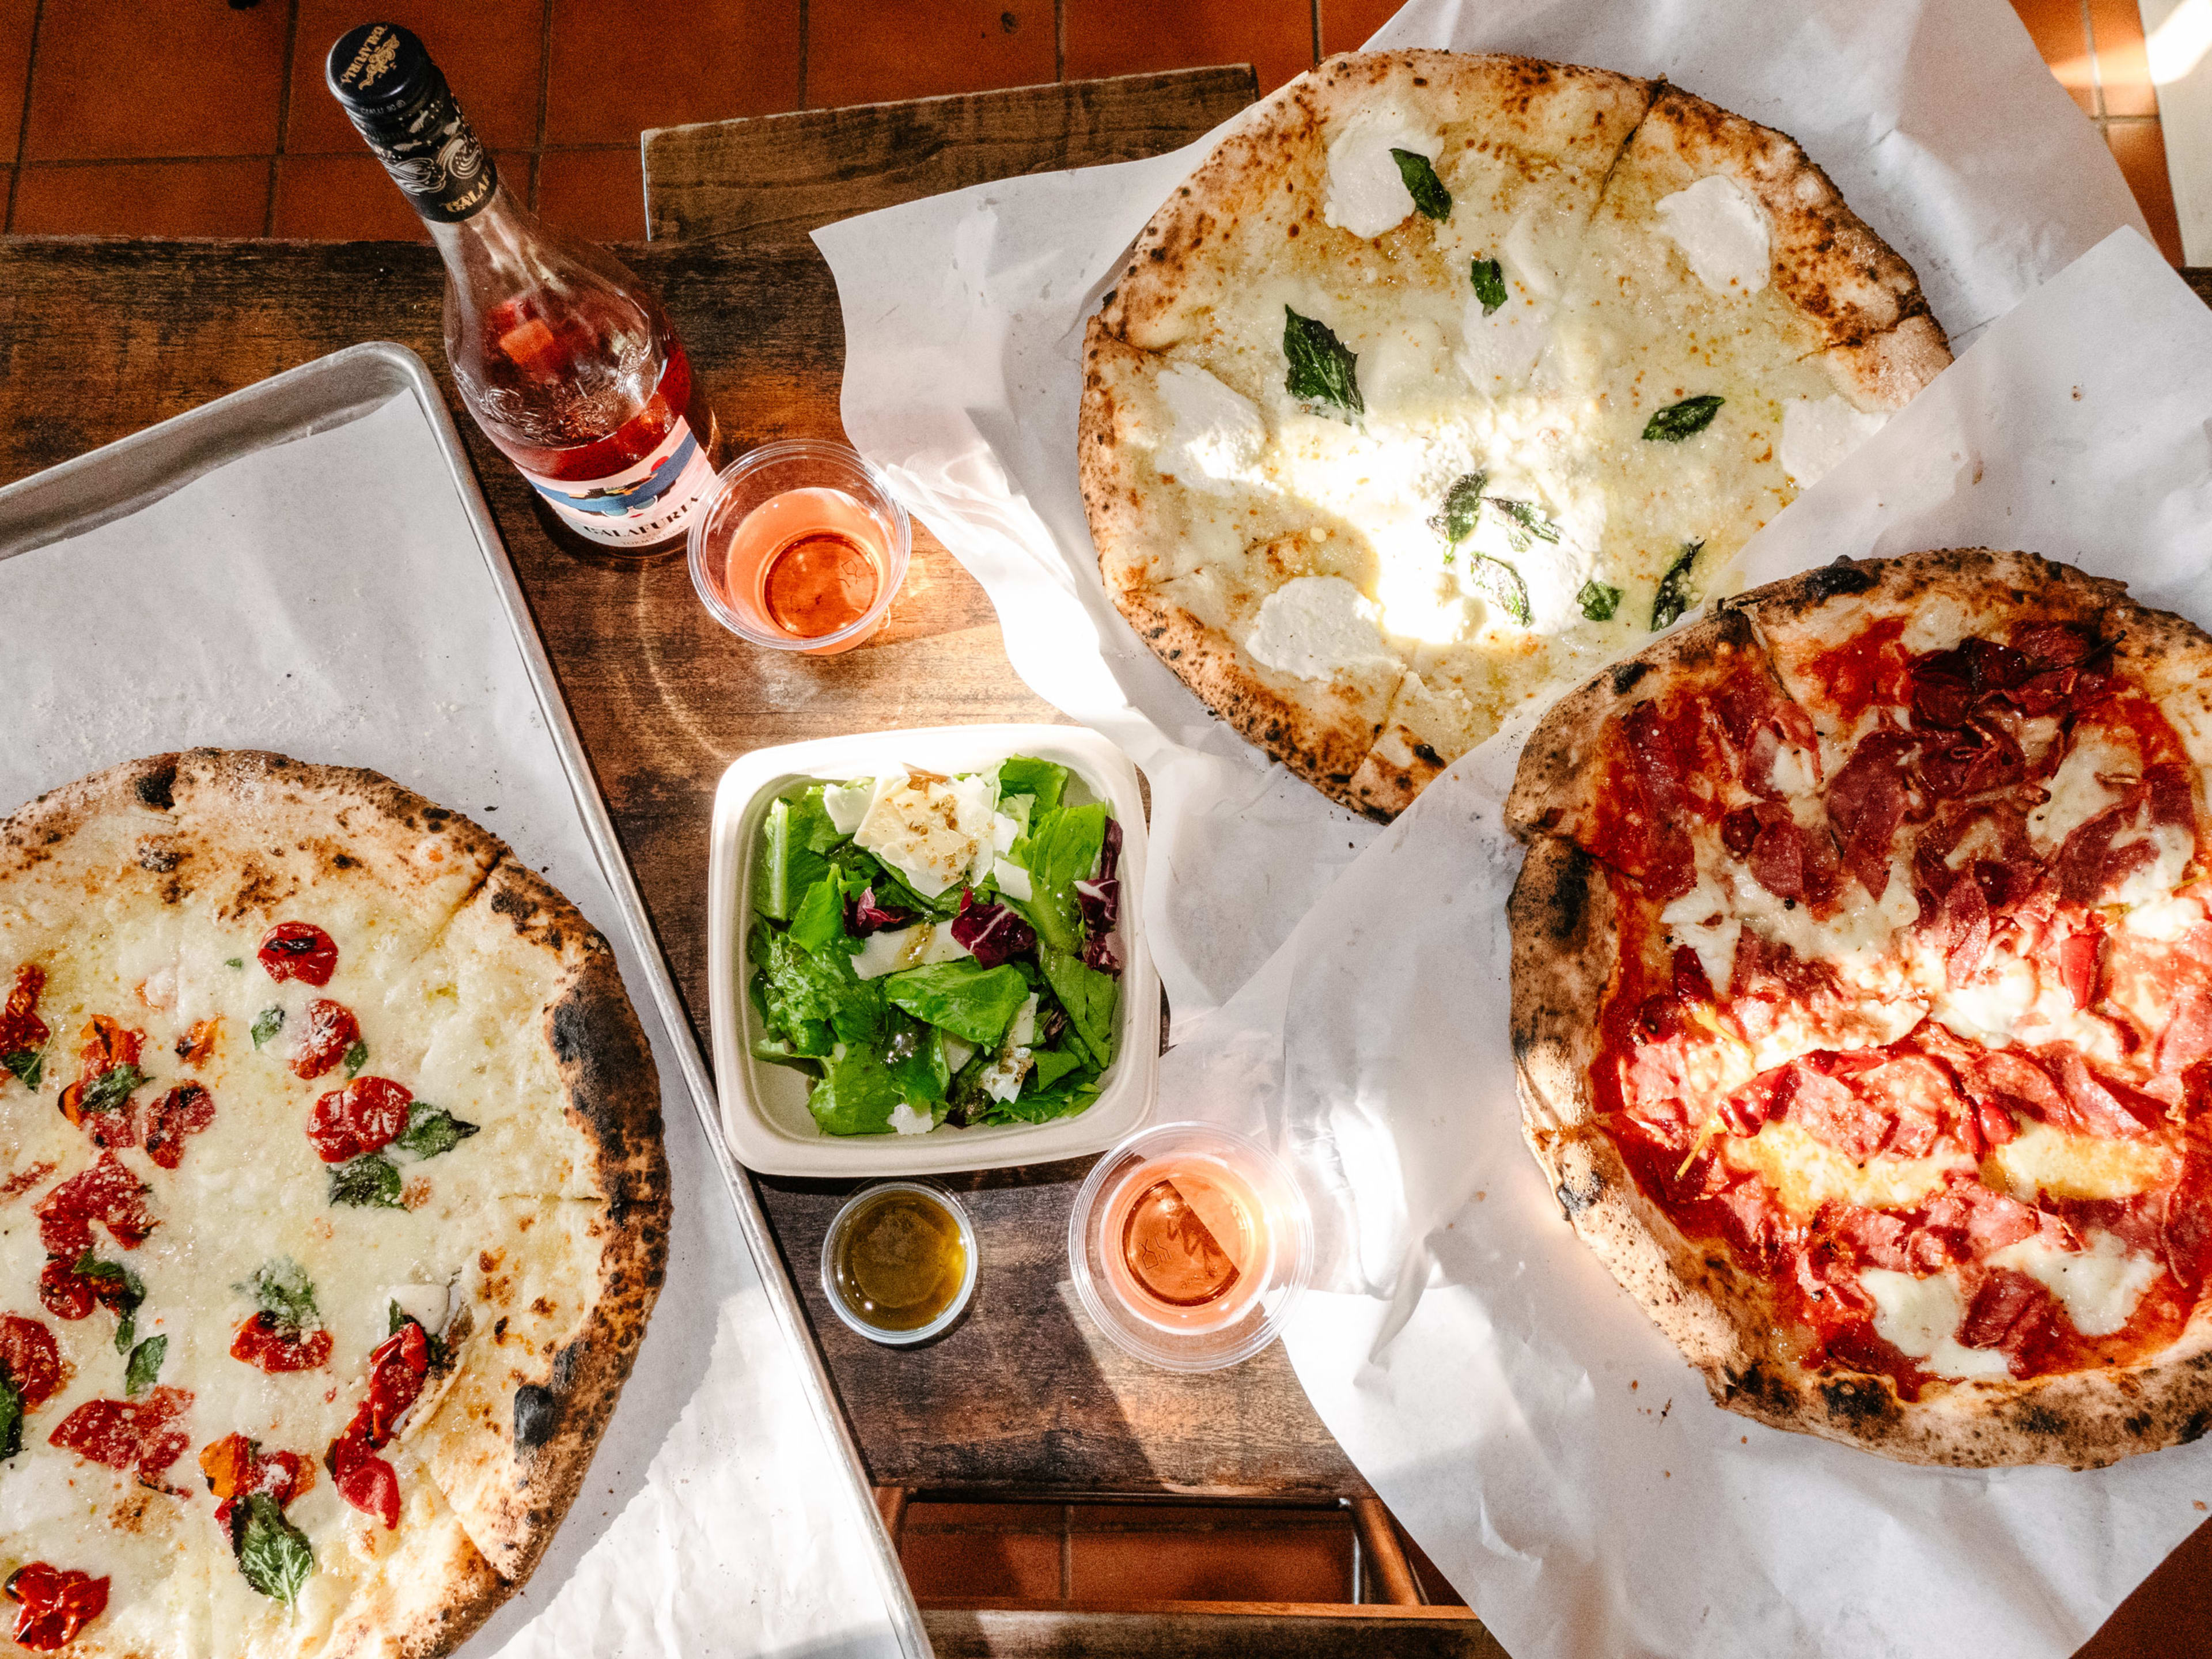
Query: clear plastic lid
[1189,1245]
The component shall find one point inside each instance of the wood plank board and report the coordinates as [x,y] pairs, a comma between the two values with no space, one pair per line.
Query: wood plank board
[777,178]
[98,340]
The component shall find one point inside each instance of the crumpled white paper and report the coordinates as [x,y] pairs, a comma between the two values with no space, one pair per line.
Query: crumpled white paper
[964,326]
[1548,1448]
[325,598]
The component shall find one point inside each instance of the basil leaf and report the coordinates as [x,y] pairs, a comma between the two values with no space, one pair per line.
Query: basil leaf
[145,1365]
[1598,601]
[1526,520]
[1501,583]
[233,962]
[273,1553]
[432,1130]
[126,1330]
[1687,419]
[1489,284]
[1463,508]
[356,1056]
[1430,199]
[369,1182]
[283,1290]
[1323,371]
[112,1088]
[26,1064]
[266,1025]
[1674,597]
[11,1417]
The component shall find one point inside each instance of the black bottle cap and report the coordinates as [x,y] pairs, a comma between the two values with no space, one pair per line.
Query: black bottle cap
[399,103]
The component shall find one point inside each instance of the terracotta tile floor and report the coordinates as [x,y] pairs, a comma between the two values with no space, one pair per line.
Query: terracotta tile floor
[99,135]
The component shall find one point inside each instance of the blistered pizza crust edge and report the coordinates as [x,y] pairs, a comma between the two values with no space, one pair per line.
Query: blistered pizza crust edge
[1565,957]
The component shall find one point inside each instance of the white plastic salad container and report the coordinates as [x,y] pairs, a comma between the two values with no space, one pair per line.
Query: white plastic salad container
[764,1104]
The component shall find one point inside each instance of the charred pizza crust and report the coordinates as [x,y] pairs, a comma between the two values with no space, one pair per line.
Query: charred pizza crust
[1373,736]
[567,1245]
[1567,944]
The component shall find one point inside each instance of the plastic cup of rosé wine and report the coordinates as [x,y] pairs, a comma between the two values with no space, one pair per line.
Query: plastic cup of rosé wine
[1189,1245]
[799,546]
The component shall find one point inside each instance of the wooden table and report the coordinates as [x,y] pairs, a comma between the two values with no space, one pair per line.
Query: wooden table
[99,339]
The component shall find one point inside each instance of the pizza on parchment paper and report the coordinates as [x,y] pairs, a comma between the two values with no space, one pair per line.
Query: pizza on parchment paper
[1445,378]
[1861,1004]
[332,1206]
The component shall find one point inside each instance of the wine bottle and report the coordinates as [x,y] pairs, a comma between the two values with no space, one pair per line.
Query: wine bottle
[564,358]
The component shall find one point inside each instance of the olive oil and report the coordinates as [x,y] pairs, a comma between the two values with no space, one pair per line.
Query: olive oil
[898,1261]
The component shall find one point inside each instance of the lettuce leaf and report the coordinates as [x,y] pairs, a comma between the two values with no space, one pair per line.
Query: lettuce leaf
[789,862]
[965,998]
[1025,774]
[1040,1108]
[913,1054]
[798,987]
[819,922]
[1089,998]
[856,1094]
[1051,1065]
[1062,849]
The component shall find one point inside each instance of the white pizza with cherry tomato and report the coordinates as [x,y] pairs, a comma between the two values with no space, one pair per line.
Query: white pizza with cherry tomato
[332,1206]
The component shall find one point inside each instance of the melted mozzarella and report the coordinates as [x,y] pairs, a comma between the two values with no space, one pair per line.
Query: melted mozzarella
[2077,792]
[2172,847]
[1701,919]
[1988,1010]
[1499,350]
[2163,921]
[2040,1161]
[1920,1317]
[1721,233]
[1316,627]
[2099,1287]
[1806,1173]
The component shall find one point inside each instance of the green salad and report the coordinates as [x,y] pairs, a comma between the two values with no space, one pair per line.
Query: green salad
[937,949]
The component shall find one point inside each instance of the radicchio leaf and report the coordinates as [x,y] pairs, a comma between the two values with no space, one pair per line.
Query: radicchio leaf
[1098,953]
[864,916]
[993,933]
[1101,903]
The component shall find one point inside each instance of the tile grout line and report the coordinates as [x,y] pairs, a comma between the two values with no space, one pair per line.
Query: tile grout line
[2096,69]
[283,117]
[806,28]
[23,123]
[544,101]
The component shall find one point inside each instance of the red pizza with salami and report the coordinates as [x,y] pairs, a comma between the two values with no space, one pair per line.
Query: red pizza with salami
[331,1206]
[1863,1004]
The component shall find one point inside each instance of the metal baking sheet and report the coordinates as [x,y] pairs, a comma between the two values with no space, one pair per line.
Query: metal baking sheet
[369,684]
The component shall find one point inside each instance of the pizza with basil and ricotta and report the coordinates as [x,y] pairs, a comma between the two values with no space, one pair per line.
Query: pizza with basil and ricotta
[1447,377]
[1862,998]
[333,1205]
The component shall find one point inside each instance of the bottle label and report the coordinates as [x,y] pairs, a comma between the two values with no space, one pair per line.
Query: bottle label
[650,503]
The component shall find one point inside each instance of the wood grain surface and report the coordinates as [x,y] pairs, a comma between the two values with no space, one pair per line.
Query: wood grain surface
[777,178]
[99,339]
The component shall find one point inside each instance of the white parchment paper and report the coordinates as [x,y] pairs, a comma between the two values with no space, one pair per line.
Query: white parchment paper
[963,325]
[1549,1449]
[325,598]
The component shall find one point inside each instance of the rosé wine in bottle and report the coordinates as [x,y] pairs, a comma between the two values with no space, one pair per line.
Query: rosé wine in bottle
[563,357]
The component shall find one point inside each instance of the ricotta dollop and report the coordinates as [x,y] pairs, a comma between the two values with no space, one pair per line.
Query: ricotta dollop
[1721,233]
[1316,627]
[1366,193]
[1217,435]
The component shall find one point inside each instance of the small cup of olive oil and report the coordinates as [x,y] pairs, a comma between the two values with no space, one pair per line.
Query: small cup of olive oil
[898,1264]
